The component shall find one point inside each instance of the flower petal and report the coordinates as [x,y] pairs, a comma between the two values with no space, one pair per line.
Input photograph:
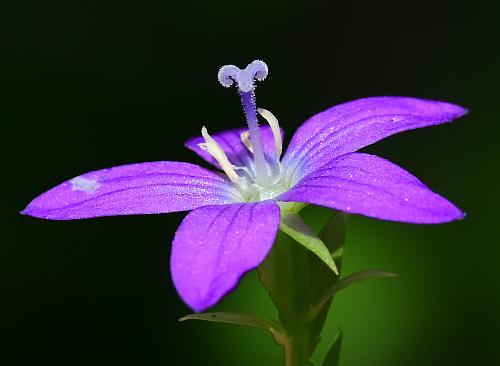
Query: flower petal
[231,143]
[371,186]
[145,188]
[350,126]
[215,246]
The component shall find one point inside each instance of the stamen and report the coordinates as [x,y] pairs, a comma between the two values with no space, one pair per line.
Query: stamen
[245,138]
[213,148]
[275,127]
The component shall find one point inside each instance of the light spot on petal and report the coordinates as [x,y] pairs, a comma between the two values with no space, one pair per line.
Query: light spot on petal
[84,184]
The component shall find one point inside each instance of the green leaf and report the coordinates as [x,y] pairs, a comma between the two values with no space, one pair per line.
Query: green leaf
[359,277]
[346,282]
[294,226]
[242,319]
[333,355]
[234,318]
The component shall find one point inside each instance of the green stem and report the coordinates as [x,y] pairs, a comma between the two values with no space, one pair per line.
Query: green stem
[296,280]
[294,353]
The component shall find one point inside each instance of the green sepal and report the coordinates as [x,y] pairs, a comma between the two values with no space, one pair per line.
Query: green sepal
[294,226]
[333,235]
[333,356]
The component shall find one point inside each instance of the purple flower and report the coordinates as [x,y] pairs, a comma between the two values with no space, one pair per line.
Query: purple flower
[236,215]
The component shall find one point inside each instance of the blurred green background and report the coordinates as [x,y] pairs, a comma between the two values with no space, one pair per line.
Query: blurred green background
[92,84]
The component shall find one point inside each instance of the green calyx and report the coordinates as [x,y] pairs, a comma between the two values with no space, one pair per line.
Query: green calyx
[294,226]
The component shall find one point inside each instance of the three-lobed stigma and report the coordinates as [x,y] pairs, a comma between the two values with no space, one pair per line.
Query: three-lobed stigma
[244,79]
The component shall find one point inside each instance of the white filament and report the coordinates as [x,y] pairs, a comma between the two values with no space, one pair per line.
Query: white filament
[245,138]
[275,127]
[213,148]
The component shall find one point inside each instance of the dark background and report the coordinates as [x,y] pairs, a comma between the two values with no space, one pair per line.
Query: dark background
[91,84]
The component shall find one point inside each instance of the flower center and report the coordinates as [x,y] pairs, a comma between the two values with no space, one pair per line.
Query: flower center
[263,179]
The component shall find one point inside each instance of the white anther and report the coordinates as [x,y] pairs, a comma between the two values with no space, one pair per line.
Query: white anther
[275,127]
[245,138]
[213,148]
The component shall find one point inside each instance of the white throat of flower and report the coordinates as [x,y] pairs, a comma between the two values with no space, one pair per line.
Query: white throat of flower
[246,177]
[263,178]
